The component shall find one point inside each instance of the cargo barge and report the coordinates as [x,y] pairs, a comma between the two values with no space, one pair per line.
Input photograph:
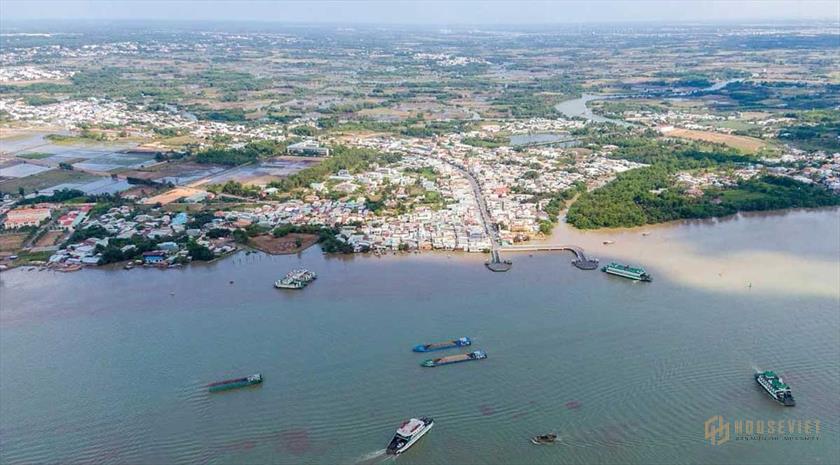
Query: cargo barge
[436,362]
[627,271]
[235,383]
[460,342]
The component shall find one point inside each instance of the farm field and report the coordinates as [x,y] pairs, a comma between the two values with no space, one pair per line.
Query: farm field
[743,143]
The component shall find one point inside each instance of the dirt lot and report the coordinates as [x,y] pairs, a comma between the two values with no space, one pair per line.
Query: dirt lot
[746,144]
[283,245]
[49,238]
[171,196]
[11,242]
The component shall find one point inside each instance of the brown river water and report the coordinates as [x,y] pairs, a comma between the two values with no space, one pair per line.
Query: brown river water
[109,366]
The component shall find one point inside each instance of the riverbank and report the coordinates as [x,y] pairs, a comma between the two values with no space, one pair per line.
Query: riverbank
[774,252]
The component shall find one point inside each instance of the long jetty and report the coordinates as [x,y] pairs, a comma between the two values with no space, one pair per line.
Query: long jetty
[581,260]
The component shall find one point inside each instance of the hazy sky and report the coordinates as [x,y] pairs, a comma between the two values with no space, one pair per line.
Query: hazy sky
[425,11]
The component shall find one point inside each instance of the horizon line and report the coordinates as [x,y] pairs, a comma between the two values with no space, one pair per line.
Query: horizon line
[449,24]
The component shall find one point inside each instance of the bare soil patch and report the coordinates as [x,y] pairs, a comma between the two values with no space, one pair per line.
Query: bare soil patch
[171,196]
[287,244]
[11,242]
[49,238]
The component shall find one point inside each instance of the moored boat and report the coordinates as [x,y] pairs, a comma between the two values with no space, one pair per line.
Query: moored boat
[296,279]
[448,360]
[409,432]
[235,383]
[460,342]
[775,387]
[627,271]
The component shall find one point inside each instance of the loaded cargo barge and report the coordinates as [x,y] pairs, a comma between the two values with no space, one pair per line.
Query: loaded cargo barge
[235,383]
[436,362]
[460,342]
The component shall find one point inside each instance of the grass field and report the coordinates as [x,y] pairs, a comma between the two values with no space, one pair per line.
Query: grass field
[35,155]
[743,143]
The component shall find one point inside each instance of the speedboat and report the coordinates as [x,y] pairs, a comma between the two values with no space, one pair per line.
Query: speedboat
[549,438]
[409,432]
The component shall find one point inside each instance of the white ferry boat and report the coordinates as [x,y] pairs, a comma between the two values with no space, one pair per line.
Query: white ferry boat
[777,388]
[409,432]
[295,279]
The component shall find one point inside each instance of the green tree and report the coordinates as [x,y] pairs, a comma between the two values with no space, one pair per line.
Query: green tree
[198,251]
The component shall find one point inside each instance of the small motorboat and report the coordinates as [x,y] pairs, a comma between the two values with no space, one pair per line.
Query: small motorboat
[608,242]
[542,439]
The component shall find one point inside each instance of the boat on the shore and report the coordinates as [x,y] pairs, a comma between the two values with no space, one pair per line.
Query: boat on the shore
[68,268]
[627,271]
[235,383]
[542,439]
[775,387]
[296,279]
[448,360]
[409,432]
[460,342]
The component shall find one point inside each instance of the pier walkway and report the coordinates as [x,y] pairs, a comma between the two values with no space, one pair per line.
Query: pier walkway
[581,260]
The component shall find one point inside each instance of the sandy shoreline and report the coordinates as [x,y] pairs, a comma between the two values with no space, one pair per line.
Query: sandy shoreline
[792,252]
[786,252]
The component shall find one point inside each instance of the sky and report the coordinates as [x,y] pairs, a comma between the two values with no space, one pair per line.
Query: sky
[424,11]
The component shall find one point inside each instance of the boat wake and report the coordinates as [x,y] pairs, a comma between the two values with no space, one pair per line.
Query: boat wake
[374,457]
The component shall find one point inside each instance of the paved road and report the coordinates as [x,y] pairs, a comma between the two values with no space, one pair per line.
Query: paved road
[489,226]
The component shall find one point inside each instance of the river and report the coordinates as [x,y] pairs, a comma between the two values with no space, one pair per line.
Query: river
[108,366]
[577,107]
